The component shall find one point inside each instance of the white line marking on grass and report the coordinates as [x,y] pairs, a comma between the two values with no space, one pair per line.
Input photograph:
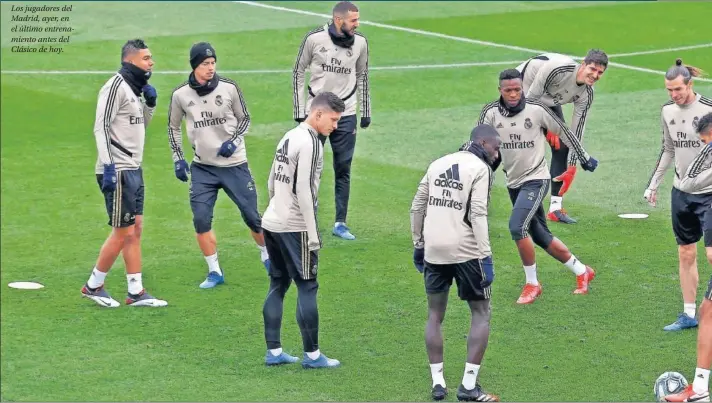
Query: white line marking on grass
[284,71]
[450,37]
[650,52]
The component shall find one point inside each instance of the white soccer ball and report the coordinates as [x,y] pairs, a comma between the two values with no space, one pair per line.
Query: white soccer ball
[669,383]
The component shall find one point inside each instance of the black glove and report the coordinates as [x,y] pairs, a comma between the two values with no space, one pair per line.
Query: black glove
[108,180]
[488,269]
[181,170]
[590,165]
[418,258]
[365,122]
[227,149]
[150,95]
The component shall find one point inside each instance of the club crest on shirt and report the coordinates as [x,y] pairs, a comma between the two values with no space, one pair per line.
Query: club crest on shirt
[349,53]
[527,123]
[218,100]
[695,121]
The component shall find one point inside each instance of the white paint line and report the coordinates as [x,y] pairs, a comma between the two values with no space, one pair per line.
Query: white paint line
[666,50]
[450,37]
[284,71]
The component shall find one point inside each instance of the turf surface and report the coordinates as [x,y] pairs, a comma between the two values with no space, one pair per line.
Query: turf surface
[208,345]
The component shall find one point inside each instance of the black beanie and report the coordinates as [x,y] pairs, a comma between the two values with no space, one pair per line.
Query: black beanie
[199,52]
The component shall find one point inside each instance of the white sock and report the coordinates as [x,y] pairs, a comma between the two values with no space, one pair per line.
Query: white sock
[96,279]
[436,371]
[557,202]
[702,380]
[530,272]
[470,378]
[263,253]
[689,309]
[213,264]
[575,266]
[336,224]
[135,283]
[275,351]
[314,354]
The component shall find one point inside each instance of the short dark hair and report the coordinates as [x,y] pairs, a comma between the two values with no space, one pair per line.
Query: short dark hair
[680,69]
[329,101]
[343,7]
[705,123]
[132,46]
[510,74]
[483,131]
[596,56]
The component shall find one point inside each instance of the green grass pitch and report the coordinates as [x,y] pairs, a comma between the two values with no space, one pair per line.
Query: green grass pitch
[208,345]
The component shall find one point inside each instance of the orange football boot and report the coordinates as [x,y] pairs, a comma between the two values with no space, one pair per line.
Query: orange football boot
[688,395]
[529,293]
[584,280]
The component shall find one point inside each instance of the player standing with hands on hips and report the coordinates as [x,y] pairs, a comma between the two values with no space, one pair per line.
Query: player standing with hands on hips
[216,121]
[337,58]
[556,80]
[691,215]
[451,239]
[698,180]
[292,232]
[120,132]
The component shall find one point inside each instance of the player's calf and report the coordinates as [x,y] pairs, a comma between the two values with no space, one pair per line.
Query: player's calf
[584,274]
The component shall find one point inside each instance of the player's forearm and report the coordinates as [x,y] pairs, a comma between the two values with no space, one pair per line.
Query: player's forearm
[243,126]
[102,146]
[239,109]
[417,213]
[147,114]
[270,182]
[298,97]
[307,206]
[664,161]
[364,95]
[417,220]
[175,140]
[480,230]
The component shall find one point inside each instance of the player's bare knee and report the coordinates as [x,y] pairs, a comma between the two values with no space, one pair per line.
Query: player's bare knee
[687,254]
[481,310]
[134,236]
[122,233]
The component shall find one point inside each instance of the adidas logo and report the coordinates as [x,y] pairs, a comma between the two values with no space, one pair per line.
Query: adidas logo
[500,126]
[672,122]
[282,153]
[323,50]
[191,103]
[450,178]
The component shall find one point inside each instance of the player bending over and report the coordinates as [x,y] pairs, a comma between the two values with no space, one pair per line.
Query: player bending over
[451,238]
[681,144]
[697,179]
[292,233]
[216,121]
[556,80]
[523,125]
[120,132]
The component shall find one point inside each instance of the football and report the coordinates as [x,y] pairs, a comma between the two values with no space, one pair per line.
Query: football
[669,383]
